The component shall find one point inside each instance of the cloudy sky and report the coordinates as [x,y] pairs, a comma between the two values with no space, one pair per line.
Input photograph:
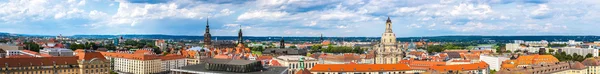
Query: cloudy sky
[410,18]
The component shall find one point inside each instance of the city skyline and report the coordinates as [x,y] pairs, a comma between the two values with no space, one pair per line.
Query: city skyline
[336,18]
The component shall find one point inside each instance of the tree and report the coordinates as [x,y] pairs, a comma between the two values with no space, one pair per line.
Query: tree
[316,47]
[292,46]
[589,55]
[32,46]
[551,50]
[435,48]
[500,48]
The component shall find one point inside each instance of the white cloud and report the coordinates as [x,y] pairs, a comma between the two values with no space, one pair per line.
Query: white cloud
[341,26]
[471,9]
[262,14]
[312,23]
[543,9]
[414,26]
[476,27]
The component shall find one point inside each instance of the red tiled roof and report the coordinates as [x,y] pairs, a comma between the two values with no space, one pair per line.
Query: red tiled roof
[274,63]
[20,56]
[131,56]
[303,71]
[171,57]
[462,67]
[32,52]
[264,58]
[45,61]
[90,55]
[222,56]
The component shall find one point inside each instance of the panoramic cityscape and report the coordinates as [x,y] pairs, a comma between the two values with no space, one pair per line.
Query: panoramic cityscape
[299,37]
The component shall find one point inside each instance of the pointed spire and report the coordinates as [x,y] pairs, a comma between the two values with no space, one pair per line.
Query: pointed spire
[207,36]
[207,29]
[240,37]
[388,20]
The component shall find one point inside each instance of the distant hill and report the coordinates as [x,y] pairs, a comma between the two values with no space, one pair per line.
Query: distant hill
[479,39]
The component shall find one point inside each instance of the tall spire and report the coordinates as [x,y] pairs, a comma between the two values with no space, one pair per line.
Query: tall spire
[321,37]
[240,37]
[207,40]
[207,29]
[281,43]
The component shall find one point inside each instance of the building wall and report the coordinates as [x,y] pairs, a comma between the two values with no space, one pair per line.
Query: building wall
[171,64]
[63,69]
[385,72]
[295,65]
[593,69]
[138,66]
[572,71]
[387,54]
[512,46]
[581,51]
[94,67]
[493,62]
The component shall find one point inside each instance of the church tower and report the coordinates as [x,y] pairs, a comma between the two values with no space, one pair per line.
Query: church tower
[240,38]
[388,36]
[207,40]
[281,43]
[388,51]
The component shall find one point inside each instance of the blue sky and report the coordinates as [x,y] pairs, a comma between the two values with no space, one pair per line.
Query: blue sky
[410,18]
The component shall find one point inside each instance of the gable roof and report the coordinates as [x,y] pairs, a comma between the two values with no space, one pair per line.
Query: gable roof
[90,55]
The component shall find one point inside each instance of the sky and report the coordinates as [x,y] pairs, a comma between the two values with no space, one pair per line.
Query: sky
[410,18]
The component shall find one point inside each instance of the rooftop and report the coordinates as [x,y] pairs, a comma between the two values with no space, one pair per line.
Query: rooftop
[45,61]
[358,67]
[294,57]
[200,68]
[228,61]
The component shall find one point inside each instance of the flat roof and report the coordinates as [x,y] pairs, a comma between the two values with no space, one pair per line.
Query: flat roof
[229,61]
[200,69]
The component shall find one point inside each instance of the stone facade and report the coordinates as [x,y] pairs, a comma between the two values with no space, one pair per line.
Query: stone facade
[388,50]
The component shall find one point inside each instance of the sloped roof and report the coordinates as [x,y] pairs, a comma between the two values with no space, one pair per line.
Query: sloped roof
[90,55]
[591,62]
[303,71]
[461,67]
[358,67]
[578,66]
[45,61]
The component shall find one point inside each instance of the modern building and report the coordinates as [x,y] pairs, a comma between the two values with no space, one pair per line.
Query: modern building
[229,66]
[388,51]
[512,46]
[160,44]
[57,51]
[579,51]
[493,61]
[283,51]
[293,62]
[10,47]
[144,62]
